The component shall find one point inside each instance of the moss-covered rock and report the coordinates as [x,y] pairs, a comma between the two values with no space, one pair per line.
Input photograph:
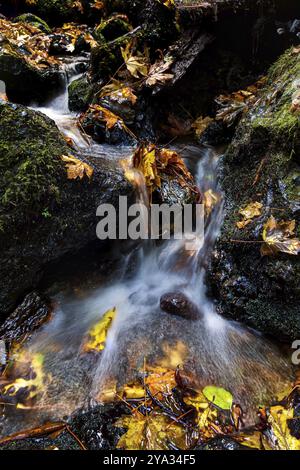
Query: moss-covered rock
[81,93]
[34,21]
[262,165]
[112,28]
[43,215]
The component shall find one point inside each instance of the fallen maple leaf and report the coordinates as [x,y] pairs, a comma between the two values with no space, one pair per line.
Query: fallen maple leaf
[137,65]
[150,432]
[251,211]
[158,72]
[76,168]
[201,124]
[279,237]
[96,337]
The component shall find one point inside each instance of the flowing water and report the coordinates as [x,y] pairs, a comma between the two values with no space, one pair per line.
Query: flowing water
[213,349]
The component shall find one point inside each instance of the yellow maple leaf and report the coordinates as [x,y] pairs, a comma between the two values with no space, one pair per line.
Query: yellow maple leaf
[279,237]
[281,437]
[76,168]
[137,65]
[251,211]
[150,432]
[96,337]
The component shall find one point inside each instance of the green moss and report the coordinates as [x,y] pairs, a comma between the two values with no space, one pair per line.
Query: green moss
[274,113]
[30,147]
[112,29]
[34,21]
[80,94]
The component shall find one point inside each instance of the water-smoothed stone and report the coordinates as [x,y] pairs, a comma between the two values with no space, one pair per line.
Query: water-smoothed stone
[96,428]
[261,165]
[177,303]
[81,93]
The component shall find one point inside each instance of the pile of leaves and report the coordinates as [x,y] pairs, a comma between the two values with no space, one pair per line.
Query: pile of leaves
[27,41]
[157,164]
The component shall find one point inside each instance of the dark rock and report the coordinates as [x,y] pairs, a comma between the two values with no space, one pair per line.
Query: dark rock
[62,442]
[34,21]
[43,215]
[25,83]
[27,317]
[262,291]
[112,28]
[95,124]
[95,427]
[223,443]
[176,303]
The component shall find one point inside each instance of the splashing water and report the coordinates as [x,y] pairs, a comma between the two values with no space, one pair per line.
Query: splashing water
[216,351]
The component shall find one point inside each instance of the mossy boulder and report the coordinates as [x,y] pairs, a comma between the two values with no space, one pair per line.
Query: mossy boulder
[34,21]
[112,28]
[43,214]
[262,165]
[81,93]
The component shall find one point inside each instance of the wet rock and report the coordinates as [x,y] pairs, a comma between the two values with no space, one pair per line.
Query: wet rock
[34,21]
[112,28]
[3,355]
[104,126]
[43,214]
[223,443]
[81,93]
[62,442]
[95,427]
[28,316]
[25,66]
[261,165]
[176,303]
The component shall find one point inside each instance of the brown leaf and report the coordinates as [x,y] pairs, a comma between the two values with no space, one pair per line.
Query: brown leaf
[76,168]
[249,213]
[279,237]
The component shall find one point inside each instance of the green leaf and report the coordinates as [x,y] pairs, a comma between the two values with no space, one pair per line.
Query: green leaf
[218,396]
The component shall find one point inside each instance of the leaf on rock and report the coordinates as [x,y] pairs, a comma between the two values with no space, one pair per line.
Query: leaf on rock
[156,163]
[201,124]
[118,92]
[151,432]
[96,337]
[158,72]
[29,369]
[137,65]
[249,213]
[218,396]
[279,237]
[76,168]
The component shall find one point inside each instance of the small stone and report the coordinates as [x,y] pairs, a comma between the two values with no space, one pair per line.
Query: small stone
[176,303]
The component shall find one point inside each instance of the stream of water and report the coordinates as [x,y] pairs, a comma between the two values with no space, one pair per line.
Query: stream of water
[215,350]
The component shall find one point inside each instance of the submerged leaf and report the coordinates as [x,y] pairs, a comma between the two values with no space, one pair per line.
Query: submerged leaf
[97,335]
[76,168]
[279,237]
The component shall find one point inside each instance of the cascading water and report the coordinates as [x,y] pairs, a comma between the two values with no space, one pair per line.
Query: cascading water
[215,350]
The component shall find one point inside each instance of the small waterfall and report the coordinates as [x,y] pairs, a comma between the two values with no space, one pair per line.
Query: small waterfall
[215,350]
